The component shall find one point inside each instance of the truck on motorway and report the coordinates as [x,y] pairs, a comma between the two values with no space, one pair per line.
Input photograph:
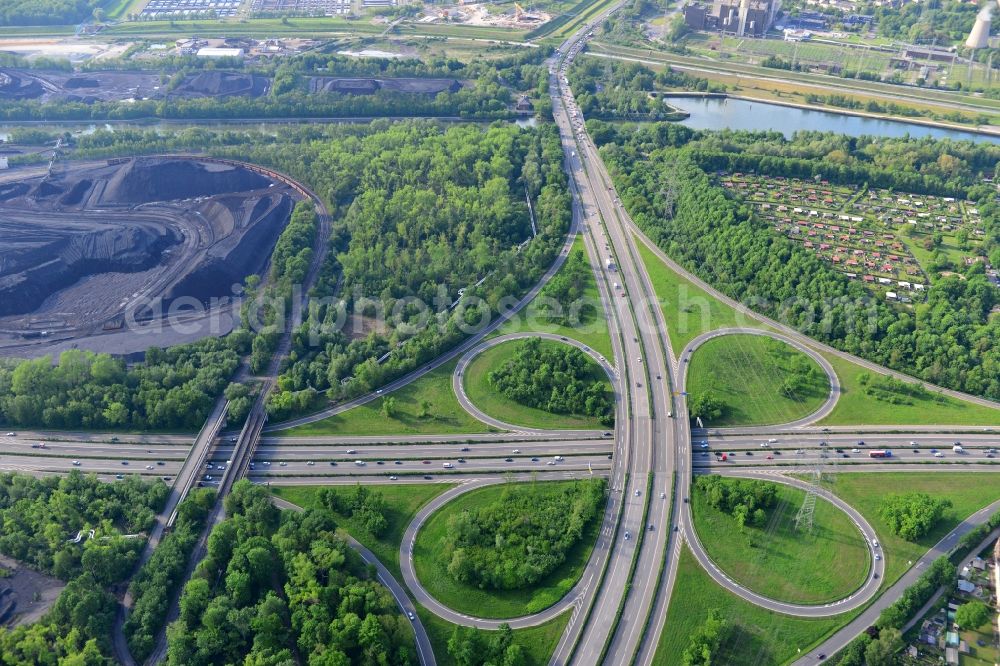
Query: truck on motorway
[957,449]
[880,453]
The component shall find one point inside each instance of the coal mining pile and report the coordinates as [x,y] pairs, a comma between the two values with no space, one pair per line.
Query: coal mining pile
[366,86]
[215,83]
[83,249]
[19,85]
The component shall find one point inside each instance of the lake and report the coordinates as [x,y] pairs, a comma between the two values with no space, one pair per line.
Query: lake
[738,114]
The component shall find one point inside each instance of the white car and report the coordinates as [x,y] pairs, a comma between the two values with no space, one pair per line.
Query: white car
[76,462]
[12,434]
[877,557]
[282,464]
[310,463]
[551,462]
[627,535]
[266,463]
[448,465]
[517,450]
[874,543]
[855,450]
[704,445]
[149,467]
[938,454]
[393,477]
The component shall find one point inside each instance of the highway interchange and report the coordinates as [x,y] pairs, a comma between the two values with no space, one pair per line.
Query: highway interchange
[618,607]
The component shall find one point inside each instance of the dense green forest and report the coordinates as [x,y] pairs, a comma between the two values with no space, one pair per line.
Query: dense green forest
[663,173]
[154,585]
[173,389]
[46,12]
[39,518]
[940,21]
[554,377]
[490,89]
[420,212]
[522,537]
[282,587]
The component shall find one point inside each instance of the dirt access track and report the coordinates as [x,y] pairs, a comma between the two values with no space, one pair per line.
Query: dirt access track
[92,254]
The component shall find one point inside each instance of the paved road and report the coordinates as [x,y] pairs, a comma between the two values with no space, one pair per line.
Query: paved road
[632,574]
[854,600]
[840,639]
[551,435]
[831,399]
[458,378]
[424,650]
[535,447]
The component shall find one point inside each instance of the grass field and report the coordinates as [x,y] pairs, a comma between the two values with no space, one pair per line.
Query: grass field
[857,408]
[495,603]
[781,562]
[486,398]
[445,415]
[593,328]
[747,372]
[538,642]
[968,493]
[754,637]
[402,503]
[687,309]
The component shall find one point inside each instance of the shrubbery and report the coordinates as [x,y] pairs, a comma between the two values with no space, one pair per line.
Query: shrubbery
[364,505]
[912,515]
[746,500]
[517,540]
[556,378]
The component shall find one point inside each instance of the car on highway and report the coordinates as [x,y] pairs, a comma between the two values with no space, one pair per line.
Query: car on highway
[558,458]
[428,477]
[465,449]
[536,459]
[861,442]
[447,465]
[770,457]
[855,450]
[124,462]
[662,495]
[282,464]
[310,463]
[351,452]
[551,462]
[12,434]
[461,460]
[379,462]
[877,557]
[515,451]
[509,459]
[333,463]
[410,615]
[266,463]
[397,462]
[359,463]
[76,462]
[939,455]
[160,463]
[607,434]
[393,477]
[627,535]
[120,477]
[208,477]
[912,443]
[799,451]
[149,467]
[637,492]
[426,462]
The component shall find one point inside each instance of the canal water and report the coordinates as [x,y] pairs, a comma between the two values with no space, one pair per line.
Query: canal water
[738,114]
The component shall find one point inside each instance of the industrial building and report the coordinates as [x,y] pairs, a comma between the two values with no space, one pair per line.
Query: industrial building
[743,18]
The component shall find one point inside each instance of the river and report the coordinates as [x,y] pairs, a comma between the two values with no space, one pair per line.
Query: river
[738,114]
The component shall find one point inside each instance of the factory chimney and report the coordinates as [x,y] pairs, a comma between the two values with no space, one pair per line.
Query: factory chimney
[979,38]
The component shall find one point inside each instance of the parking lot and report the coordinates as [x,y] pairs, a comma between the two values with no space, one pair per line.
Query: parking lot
[182,8]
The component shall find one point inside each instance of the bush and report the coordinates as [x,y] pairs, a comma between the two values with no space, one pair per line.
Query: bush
[912,515]
[520,538]
[555,378]
[746,500]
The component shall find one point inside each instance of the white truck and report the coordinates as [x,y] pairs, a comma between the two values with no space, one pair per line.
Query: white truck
[957,449]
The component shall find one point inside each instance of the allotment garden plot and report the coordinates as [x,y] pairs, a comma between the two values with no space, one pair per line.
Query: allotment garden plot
[895,243]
